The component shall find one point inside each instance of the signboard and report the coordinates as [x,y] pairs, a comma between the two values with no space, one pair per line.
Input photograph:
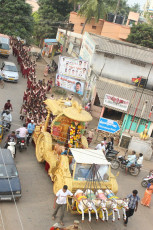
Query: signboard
[108,125]
[87,48]
[69,84]
[116,102]
[73,67]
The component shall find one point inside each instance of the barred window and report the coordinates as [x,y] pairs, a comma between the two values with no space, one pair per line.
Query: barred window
[109,55]
[133,62]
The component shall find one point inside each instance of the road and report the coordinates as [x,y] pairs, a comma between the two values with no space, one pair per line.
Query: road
[34,209]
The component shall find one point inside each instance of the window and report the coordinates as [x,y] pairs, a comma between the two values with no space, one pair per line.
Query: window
[81,24]
[133,62]
[94,27]
[109,56]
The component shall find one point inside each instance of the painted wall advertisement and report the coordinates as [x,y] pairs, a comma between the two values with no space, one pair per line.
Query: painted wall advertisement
[68,83]
[116,102]
[71,67]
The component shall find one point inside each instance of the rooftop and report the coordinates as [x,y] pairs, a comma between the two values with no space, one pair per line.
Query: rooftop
[128,92]
[123,49]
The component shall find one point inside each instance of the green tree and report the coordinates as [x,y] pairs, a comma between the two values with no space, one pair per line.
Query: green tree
[16,18]
[50,15]
[141,34]
[93,8]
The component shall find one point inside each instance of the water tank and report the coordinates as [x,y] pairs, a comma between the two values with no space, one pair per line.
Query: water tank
[110,17]
[119,19]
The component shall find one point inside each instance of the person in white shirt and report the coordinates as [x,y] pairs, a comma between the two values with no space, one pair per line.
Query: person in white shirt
[140,160]
[132,160]
[7,118]
[22,132]
[60,202]
[101,146]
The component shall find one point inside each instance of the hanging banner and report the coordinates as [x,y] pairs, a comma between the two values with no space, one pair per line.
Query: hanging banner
[72,67]
[116,102]
[70,84]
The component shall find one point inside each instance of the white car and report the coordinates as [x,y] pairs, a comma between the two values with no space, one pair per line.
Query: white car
[9,71]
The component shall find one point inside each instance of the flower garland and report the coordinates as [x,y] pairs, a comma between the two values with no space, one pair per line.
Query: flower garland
[74,138]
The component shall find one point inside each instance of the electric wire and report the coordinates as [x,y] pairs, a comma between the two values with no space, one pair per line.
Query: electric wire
[17,210]
[2,221]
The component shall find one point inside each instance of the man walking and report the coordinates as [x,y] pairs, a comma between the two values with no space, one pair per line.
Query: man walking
[133,205]
[31,128]
[60,202]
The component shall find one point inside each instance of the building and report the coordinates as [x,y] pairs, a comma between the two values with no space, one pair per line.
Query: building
[34,4]
[105,28]
[148,7]
[73,41]
[124,81]
[117,60]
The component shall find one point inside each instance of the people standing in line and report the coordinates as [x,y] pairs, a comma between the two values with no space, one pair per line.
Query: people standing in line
[133,205]
[30,128]
[90,136]
[146,200]
[60,202]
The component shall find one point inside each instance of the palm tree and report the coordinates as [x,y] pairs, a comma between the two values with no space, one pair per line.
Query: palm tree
[92,8]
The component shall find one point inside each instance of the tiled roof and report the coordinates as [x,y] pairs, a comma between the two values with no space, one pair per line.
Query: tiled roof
[123,49]
[127,92]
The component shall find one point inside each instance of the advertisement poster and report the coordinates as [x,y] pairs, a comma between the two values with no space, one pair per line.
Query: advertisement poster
[69,84]
[116,102]
[75,68]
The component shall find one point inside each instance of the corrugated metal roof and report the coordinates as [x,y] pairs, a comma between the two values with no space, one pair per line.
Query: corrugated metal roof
[123,49]
[127,92]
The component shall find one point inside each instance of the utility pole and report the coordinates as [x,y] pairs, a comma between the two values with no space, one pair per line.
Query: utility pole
[117,7]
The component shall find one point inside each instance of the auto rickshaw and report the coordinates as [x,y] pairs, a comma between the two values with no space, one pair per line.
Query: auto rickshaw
[1,131]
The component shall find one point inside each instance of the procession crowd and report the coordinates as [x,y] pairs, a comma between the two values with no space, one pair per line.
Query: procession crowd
[33,107]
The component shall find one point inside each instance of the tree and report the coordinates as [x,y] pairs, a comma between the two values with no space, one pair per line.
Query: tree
[50,15]
[141,34]
[92,8]
[16,18]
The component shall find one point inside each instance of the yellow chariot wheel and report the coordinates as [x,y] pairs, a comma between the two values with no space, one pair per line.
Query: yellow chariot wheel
[58,183]
[43,145]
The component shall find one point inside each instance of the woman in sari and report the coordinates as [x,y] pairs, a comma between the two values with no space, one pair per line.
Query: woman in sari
[147,196]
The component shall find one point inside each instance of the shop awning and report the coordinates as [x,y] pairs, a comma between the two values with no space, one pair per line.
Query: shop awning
[51,41]
[127,92]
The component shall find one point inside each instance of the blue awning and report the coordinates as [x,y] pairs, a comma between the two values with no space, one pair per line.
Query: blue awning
[51,41]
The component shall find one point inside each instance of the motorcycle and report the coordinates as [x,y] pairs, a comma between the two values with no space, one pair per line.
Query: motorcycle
[22,144]
[121,162]
[6,126]
[111,154]
[146,180]
[11,147]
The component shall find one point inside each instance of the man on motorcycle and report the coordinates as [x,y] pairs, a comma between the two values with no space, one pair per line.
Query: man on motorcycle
[8,106]
[140,160]
[7,118]
[10,137]
[22,132]
[131,160]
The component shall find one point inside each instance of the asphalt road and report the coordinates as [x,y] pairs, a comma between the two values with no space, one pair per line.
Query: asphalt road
[33,211]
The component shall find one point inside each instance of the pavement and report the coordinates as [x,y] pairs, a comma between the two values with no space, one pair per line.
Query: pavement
[33,211]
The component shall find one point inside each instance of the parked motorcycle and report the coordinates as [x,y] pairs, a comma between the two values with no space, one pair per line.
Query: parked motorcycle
[111,155]
[146,180]
[11,147]
[121,162]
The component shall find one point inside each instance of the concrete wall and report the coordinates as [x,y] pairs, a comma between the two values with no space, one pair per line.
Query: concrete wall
[120,69]
[115,31]
[104,28]
[141,146]
[77,21]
